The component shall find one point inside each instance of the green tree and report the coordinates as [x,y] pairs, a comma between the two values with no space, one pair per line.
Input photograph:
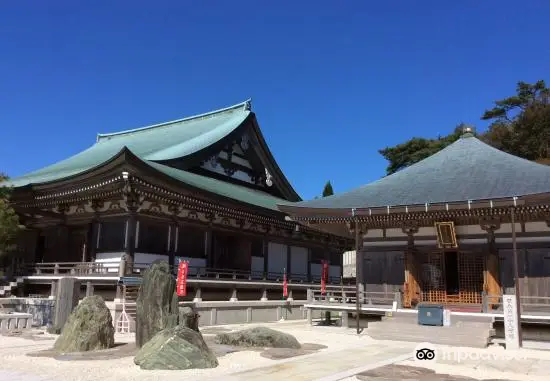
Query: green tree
[520,126]
[327,190]
[521,123]
[416,149]
[9,222]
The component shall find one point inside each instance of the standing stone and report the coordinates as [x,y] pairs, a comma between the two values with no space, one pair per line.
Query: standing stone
[89,327]
[189,318]
[157,302]
[68,294]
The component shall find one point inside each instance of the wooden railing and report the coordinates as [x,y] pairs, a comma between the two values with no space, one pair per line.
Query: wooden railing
[137,269]
[348,296]
[529,304]
[72,268]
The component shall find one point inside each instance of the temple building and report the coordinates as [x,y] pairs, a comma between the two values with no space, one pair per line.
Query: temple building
[444,229]
[204,189]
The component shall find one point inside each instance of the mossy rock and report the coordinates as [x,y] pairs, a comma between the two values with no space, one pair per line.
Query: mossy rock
[261,337]
[157,302]
[88,328]
[176,348]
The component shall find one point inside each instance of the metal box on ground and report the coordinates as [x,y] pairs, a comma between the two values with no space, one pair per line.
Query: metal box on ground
[430,314]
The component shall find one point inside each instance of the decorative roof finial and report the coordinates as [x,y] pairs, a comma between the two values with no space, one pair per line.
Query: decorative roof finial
[467,132]
[248,105]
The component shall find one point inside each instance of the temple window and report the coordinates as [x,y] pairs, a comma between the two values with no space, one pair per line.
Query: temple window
[153,237]
[336,258]
[191,242]
[257,249]
[317,255]
[111,235]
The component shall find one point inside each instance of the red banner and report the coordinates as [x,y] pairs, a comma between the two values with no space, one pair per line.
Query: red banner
[181,284]
[285,285]
[324,277]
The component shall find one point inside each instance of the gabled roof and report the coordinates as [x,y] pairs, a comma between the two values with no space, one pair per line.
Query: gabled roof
[156,145]
[228,190]
[160,142]
[466,170]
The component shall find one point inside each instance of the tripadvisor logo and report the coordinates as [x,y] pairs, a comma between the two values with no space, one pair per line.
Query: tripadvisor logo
[426,352]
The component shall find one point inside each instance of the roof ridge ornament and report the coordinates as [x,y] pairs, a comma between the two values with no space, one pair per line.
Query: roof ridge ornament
[467,132]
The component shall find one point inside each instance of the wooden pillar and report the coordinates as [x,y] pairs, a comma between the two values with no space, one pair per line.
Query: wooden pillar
[173,244]
[359,281]
[411,291]
[265,249]
[208,249]
[491,273]
[309,264]
[288,261]
[95,229]
[173,235]
[130,241]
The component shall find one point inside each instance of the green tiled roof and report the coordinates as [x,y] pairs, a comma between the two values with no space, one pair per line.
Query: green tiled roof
[163,141]
[467,170]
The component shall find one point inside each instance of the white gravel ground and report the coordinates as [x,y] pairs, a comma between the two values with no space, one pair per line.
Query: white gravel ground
[15,365]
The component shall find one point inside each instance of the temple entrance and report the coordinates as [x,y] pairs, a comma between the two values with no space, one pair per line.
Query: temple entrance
[231,252]
[451,277]
[451,273]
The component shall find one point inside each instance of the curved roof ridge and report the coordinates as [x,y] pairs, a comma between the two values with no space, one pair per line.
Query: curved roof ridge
[246,105]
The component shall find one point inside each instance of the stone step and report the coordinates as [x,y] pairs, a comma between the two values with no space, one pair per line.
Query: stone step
[472,342]
[454,324]
[455,320]
[470,334]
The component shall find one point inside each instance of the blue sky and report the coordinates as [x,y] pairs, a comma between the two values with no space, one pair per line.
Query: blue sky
[331,81]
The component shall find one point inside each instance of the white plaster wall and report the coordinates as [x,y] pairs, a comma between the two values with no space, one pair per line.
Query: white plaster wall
[374,233]
[469,229]
[348,261]
[110,260]
[395,232]
[426,231]
[507,228]
[539,226]
[298,260]
[276,258]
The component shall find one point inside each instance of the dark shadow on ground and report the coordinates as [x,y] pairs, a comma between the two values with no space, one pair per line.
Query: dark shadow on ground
[411,373]
[30,335]
[121,350]
[285,353]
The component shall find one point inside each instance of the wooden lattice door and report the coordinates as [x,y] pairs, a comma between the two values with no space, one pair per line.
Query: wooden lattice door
[433,280]
[470,267]
[436,278]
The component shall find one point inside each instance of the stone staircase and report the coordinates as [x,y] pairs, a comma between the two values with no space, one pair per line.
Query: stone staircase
[465,331]
[7,289]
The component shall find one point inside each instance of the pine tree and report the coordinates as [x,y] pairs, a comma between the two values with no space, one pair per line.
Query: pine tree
[327,190]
